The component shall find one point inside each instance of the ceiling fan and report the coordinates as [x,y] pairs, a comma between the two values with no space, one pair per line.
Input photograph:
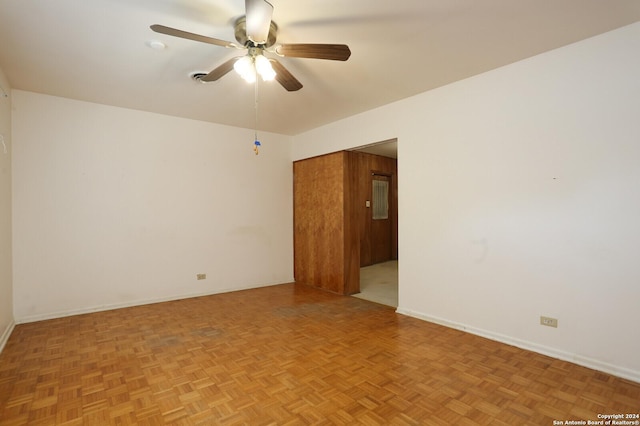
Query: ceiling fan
[257,33]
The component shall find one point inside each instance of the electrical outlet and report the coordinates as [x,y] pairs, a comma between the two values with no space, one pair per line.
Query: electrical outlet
[201,276]
[549,322]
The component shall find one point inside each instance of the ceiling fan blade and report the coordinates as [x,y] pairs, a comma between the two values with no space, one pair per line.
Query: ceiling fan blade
[334,52]
[190,36]
[284,77]
[220,71]
[259,14]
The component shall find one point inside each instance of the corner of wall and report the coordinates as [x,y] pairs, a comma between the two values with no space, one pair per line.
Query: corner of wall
[4,338]
[6,247]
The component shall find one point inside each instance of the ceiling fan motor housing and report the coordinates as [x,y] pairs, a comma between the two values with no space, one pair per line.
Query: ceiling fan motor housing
[241,34]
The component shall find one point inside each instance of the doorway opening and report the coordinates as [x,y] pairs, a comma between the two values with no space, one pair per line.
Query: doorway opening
[379,239]
[379,283]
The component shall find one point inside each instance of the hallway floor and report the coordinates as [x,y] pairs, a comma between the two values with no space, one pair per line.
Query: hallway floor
[379,283]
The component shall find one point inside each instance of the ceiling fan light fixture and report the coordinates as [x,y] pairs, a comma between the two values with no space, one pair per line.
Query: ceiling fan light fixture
[244,67]
[250,65]
[256,32]
[264,68]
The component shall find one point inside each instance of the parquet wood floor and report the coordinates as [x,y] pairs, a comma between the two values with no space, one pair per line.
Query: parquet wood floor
[285,355]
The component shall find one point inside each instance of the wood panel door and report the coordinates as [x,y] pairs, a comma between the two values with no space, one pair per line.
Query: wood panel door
[363,167]
[381,229]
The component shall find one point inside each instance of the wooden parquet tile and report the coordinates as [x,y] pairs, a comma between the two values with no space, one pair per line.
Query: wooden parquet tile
[285,355]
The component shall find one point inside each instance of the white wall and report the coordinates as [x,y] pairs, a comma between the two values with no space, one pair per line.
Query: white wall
[519,196]
[6,287]
[115,207]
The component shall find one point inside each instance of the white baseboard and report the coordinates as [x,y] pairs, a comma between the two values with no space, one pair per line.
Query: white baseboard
[594,364]
[109,307]
[4,338]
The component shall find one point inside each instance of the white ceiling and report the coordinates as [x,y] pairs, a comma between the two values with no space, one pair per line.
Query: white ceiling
[96,50]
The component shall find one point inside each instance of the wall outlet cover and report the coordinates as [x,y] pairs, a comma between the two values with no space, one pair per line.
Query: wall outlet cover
[549,322]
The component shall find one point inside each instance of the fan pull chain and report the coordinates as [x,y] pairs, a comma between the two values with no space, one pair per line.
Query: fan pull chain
[256,142]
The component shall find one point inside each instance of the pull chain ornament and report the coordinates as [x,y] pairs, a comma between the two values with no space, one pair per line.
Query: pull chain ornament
[256,142]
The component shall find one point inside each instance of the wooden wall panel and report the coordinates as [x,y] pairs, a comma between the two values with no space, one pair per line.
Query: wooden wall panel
[352,227]
[360,193]
[332,224]
[319,228]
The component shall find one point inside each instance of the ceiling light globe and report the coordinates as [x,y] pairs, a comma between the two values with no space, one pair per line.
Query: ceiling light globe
[264,68]
[268,75]
[244,67]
